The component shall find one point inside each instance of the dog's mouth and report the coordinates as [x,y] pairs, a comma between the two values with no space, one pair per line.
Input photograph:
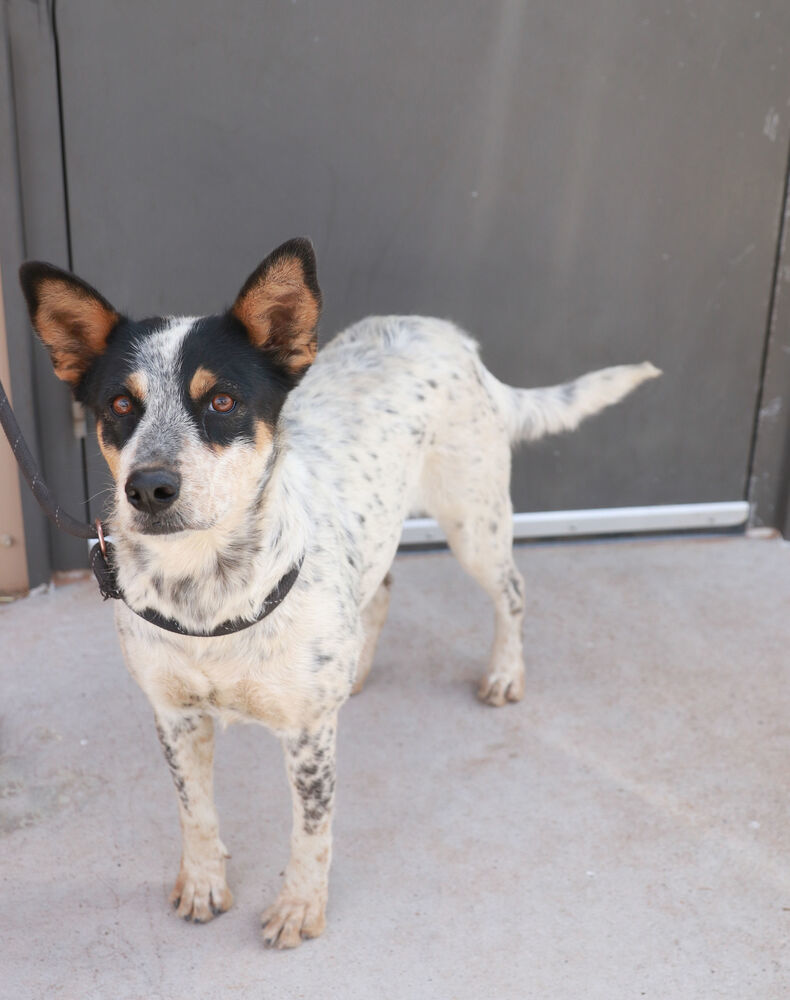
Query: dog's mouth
[159,524]
[169,522]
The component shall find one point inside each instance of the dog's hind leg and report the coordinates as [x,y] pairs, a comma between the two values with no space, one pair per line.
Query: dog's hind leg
[486,554]
[201,891]
[374,614]
[466,488]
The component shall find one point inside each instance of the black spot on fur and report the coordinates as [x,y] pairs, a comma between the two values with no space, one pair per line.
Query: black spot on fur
[320,660]
[568,392]
[172,763]
[313,776]
[515,594]
[316,795]
[235,557]
[182,590]
[138,556]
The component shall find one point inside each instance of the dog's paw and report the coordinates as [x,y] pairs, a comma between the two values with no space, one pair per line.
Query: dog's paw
[498,689]
[200,895]
[290,919]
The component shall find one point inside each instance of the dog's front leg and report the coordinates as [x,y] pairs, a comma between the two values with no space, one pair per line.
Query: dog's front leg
[201,891]
[299,911]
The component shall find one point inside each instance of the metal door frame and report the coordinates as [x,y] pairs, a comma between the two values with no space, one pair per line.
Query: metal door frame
[768,486]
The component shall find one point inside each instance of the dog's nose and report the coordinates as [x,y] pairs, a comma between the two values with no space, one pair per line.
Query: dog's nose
[152,490]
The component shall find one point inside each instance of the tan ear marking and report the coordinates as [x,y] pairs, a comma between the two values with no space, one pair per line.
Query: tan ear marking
[71,318]
[280,303]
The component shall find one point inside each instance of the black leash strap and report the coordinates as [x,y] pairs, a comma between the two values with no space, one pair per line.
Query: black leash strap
[101,553]
[30,471]
[104,571]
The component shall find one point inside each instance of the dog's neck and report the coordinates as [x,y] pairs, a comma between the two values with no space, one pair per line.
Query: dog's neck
[202,578]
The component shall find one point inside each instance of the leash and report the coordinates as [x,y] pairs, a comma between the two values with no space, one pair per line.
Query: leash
[101,560]
[39,489]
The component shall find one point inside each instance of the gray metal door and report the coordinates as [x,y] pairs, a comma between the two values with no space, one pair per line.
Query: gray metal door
[577,184]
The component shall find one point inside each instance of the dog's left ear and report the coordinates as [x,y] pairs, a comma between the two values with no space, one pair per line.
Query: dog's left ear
[280,303]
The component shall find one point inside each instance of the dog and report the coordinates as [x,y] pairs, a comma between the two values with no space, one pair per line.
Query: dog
[257,488]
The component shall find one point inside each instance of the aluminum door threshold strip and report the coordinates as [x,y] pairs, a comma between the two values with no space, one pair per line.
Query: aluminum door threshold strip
[602,521]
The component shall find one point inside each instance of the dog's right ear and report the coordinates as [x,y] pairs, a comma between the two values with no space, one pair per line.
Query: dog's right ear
[72,319]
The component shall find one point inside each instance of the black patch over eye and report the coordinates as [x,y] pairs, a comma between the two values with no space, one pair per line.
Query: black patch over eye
[222,403]
[247,386]
[122,406]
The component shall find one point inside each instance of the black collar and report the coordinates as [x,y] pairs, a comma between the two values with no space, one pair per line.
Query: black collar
[104,571]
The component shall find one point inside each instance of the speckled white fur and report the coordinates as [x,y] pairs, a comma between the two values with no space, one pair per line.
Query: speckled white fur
[398,414]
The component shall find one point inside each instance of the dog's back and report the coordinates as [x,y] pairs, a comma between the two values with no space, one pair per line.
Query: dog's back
[393,397]
[398,415]
[408,371]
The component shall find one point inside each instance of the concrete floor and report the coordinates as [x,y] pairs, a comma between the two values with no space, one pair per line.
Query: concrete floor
[621,833]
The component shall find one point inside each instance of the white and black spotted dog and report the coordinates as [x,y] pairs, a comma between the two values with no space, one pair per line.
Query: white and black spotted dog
[242,467]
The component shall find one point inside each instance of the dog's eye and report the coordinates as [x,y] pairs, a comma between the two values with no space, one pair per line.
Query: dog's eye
[121,406]
[222,403]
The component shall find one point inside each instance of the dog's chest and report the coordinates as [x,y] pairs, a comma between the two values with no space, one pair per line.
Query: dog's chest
[246,699]
[251,677]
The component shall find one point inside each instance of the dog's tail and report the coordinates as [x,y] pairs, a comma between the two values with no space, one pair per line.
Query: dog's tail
[532,413]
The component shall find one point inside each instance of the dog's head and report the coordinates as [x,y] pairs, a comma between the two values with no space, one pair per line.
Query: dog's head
[186,409]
